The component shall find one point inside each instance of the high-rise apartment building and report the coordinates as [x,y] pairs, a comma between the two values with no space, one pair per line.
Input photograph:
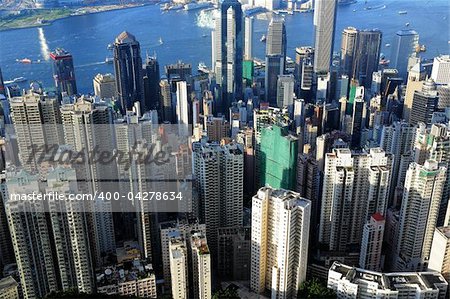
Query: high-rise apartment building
[355,186]
[178,257]
[30,236]
[128,70]
[219,176]
[404,47]
[441,70]
[280,236]
[275,58]
[228,52]
[372,242]
[440,252]
[35,118]
[105,86]
[434,143]
[201,266]
[324,29]
[398,140]
[69,228]
[418,215]
[63,72]
[176,230]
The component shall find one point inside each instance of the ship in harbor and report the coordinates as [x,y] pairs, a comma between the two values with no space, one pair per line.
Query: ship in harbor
[202,68]
[24,60]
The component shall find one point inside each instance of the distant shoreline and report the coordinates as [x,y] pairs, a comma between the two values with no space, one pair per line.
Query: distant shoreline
[88,11]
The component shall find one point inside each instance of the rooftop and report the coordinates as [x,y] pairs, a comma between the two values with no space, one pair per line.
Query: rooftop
[391,281]
[7,283]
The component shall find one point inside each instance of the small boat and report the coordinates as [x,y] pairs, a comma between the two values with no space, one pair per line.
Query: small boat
[24,60]
[263,38]
[110,46]
[384,62]
[354,10]
[402,12]
[407,24]
[160,41]
[205,35]
[387,45]
[109,60]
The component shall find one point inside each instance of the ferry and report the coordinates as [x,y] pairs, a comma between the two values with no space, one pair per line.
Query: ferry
[203,68]
[109,60]
[24,60]
[263,38]
[16,80]
[402,12]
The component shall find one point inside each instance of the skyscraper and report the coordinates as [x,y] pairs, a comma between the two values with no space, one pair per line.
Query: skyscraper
[367,56]
[304,59]
[324,29]
[358,118]
[355,186]
[201,266]
[105,86]
[178,257]
[280,236]
[360,54]
[30,237]
[228,52]
[166,101]
[35,117]
[440,252]
[418,215]
[182,108]
[404,47]
[128,68]
[441,70]
[348,47]
[151,84]
[219,178]
[275,58]
[63,72]
[248,42]
[285,92]
[424,103]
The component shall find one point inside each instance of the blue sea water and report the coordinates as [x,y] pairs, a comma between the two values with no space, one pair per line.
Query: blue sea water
[87,37]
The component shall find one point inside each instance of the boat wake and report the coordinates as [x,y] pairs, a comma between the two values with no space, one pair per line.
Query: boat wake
[45,51]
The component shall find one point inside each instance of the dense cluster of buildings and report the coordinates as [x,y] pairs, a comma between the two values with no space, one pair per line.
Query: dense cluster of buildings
[333,168]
